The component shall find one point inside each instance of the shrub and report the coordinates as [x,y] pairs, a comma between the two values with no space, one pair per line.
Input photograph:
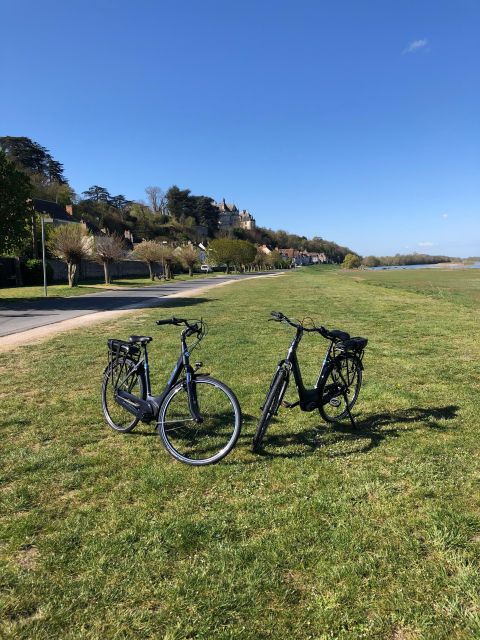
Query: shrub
[32,272]
[351,261]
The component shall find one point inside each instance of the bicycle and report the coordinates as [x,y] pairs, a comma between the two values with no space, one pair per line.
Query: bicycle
[198,418]
[338,384]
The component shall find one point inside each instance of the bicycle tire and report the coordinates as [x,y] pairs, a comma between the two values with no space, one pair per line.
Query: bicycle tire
[112,411]
[206,443]
[333,387]
[270,408]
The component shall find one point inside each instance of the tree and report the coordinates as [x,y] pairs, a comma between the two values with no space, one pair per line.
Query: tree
[33,158]
[146,224]
[167,259]
[188,257]
[103,215]
[45,173]
[156,198]
[224,251]
[108,249]
[97,194]
[206,213]
[119,202]
[351,261]
[150,252]
[14,209]
[70,243]
[371,261]
[179,203]
[260,259]
[64,194]
[274,259]
[245,253]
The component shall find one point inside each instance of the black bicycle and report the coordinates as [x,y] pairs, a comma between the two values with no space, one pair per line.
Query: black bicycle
[198,418]
[338,384]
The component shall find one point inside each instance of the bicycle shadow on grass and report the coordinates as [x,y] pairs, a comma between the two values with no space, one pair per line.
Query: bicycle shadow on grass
[151,429]
[341,440]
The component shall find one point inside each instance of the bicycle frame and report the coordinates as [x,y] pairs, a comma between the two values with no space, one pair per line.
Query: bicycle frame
[307,398]
[148,408]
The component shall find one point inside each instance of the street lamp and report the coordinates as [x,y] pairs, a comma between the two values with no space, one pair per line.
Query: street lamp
[163,261]
[44,218]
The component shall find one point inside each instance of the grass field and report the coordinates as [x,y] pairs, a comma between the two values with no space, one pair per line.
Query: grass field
[344,533]
[457,286]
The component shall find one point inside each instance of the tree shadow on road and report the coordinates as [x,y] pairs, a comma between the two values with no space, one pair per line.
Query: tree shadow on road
[52,306]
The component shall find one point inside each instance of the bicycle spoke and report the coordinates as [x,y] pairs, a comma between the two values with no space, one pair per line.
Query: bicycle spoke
[340,390]
[193,441]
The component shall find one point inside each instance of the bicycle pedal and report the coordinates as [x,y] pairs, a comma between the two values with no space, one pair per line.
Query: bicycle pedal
[289,405]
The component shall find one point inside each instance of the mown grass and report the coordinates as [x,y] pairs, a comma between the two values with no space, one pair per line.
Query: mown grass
[10,294]
[460,286]
[371,532]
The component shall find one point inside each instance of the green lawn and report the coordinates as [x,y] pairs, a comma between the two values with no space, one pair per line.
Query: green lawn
[460,286]
[333,533]
[89,286]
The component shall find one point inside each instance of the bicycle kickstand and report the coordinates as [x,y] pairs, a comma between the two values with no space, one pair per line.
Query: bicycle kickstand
[352,419]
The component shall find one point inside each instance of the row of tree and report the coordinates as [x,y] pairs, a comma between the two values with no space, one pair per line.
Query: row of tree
[353,261]
[72,243]
[406,259]
[175,215]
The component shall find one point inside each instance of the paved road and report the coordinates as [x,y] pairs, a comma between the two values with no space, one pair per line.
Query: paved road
[23,315]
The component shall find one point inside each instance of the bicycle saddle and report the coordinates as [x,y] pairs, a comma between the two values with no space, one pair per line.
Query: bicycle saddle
[140,339]
[336,334]
[354,344]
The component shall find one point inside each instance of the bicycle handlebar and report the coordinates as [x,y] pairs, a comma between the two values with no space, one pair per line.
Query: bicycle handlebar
[175,321]
[278,316]
[190,327]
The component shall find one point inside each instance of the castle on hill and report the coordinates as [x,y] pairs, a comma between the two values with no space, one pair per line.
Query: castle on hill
[231,217]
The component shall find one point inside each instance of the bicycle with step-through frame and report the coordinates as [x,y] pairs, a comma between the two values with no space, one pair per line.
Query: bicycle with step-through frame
[198,417]
[338,384]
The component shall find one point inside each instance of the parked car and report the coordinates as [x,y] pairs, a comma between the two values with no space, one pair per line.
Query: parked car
[206,268]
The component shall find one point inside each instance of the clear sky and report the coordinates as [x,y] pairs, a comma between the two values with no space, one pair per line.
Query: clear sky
[355,120]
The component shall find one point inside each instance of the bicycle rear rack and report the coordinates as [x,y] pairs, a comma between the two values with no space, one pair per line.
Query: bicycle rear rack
[119,352]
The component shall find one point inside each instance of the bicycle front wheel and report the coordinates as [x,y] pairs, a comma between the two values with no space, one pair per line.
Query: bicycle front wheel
[340,390]
[200,442]
[270,408]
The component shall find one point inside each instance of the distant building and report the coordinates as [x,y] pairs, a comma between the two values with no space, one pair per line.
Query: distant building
[230,217]
[299,258]
[60,214]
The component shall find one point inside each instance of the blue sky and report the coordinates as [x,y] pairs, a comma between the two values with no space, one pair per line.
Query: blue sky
[354,120]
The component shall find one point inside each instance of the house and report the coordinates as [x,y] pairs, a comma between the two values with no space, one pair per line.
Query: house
[60,214]
[299,258]
[317,258]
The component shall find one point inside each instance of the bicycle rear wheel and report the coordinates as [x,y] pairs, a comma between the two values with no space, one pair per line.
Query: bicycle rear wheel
[205,442]
[121,375]
[341,387]
[270,408]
